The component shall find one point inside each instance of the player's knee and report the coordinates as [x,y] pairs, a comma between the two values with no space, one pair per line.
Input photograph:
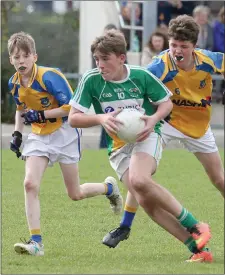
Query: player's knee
[140,183]
[75,197]
[30,186]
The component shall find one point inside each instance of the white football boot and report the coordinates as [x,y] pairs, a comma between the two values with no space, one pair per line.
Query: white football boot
[116,200]
[31,248]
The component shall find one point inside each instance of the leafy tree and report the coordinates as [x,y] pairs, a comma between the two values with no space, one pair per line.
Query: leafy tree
[56,38]
[6,102]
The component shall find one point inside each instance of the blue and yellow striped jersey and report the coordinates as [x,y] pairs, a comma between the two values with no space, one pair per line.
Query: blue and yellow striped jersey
[191,90]
[47,89]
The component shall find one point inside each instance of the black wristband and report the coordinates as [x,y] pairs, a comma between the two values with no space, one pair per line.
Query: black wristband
[42,114]
[17,134]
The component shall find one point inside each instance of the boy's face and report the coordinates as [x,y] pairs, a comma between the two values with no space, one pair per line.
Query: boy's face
[23,62]
[157,43]
[110,66]
[181,51]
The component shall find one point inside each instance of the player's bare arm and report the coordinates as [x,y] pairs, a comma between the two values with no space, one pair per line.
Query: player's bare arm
[16,142]
[19,121]
[56,113]
[80,120]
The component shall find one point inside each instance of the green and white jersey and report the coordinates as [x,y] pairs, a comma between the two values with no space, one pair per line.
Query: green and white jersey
[140,89]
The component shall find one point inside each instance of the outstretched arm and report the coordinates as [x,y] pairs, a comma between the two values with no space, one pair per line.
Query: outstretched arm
[77,119]
[19,125]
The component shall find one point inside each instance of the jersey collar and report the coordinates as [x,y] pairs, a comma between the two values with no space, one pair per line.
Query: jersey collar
[196,59]
[173,66]
[125,79]
[17,76]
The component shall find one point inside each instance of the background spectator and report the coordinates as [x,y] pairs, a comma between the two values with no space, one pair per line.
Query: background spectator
[186,7]
[218,32]
[164,13]
[218,35]
[171,8]
[157,43]
[126,11]
[205,39]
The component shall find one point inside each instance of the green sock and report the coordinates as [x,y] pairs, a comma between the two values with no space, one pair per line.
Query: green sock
[191,245]
[186,219]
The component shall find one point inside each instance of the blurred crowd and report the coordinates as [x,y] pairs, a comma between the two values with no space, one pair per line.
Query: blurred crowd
[211,35]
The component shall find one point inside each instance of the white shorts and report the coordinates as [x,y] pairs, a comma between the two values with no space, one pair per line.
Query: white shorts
[204,144]
[120,159]
[62,145]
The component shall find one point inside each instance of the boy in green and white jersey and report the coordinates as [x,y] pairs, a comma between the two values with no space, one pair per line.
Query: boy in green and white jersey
[134,91]
[112,87]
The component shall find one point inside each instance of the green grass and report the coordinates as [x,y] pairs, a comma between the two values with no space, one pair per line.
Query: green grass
[73,231]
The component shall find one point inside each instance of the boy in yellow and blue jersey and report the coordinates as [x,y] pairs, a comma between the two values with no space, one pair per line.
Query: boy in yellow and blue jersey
[42,98]
[192,89]
[114,86]
[186,72]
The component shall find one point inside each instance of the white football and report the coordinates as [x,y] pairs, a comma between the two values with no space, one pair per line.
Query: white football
[132,124]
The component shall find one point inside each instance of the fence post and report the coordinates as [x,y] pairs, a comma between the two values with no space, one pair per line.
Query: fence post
[149,19]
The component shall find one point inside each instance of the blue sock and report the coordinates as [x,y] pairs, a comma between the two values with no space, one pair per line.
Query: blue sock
[36,238]
[128,216]
[110,189]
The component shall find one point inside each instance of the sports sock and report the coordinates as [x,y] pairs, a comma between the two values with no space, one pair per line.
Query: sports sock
[186,219]
[109,189]
[36,235]
[128,216]
[191,245]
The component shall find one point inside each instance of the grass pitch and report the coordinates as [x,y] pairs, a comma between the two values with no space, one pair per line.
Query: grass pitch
[72,231]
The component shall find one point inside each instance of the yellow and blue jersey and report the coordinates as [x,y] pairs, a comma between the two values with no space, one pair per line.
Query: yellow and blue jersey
[192,90]
[47,89]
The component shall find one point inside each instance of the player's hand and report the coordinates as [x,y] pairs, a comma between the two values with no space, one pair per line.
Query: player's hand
[110,122]
[149,127]
[33,116]
[15,143]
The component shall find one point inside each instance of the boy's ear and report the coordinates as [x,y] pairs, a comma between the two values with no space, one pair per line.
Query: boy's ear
[35,58]
[123,57]
[10,60]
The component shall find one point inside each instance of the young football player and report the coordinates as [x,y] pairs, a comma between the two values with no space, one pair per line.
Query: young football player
[42,97]
[186,72]
[111,87]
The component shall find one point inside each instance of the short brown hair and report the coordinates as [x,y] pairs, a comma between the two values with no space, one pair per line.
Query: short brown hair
[159,34]
[113,41]
[22,41]
[183,28]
